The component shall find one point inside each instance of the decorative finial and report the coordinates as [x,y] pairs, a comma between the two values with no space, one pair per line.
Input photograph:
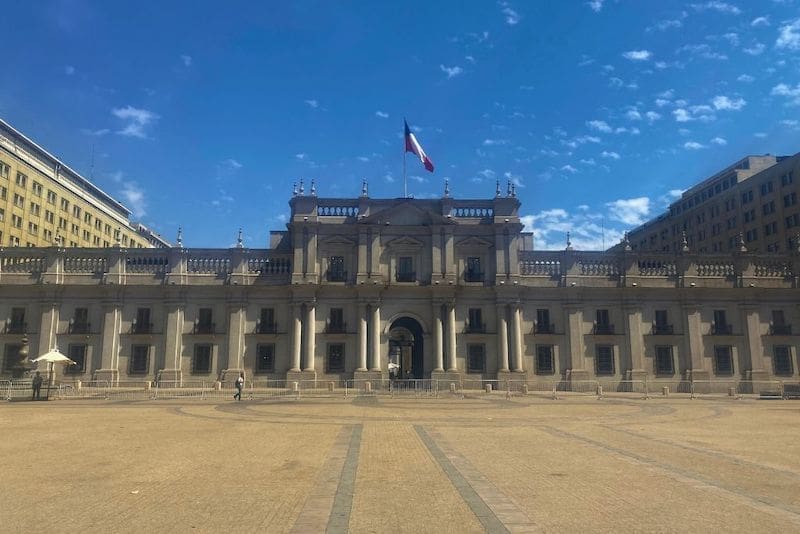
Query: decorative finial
[239,241]
[294,189]
[179,241]
[497,189]
[742,246]
[513,190]
[364,188]
[569,243]
[684,242]
[118,242]
[626,242]
[446,187]
[508,188]
[302,188]
[313,188]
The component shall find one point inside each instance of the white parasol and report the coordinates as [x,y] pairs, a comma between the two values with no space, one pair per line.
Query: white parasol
[51,358]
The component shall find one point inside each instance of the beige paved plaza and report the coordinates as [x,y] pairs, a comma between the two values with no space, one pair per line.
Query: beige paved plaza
[477,464]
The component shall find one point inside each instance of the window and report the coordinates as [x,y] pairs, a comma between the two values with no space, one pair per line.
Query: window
[768,208]
[604,360]
[475,321]
[786,179]
[793,220]
[107,229]
[603,325]
[545,364]
[49,216]
[16,221]
[405,269]
[201,362]
[789,200]
[749,216]
[665,364]
[3,193]
[723,360]
[35,209]
[86,235]
[36,188]
[65,204]
[87,218]
[336,272]
[335,363]
[266,321]
[747,197]
[265,358]
[76,211]
[21,180]
[336,324]
[204,323]
[720,326]
[79,324]
[4,170]
[766,188]
[98,224]
[51,197]
[543,325]
[476,358]
[140,360]
[12,357]
[662,326]
[75,229]
[77,353]
[19,201]
[2,215]
[62,223]
[751,235]
[142,324]
[474,273]
[782,360]
[770,228]
[779,326]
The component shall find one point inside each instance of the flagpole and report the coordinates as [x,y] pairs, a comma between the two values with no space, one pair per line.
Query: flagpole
[405,183]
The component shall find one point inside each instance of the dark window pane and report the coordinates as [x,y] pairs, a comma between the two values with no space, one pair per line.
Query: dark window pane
[544,360]
[140,359]
[604,361]
[476,358]
[265,358]
[77,353]
[723,360]
[201,363]
[782,360]
[336,358]
[664,361]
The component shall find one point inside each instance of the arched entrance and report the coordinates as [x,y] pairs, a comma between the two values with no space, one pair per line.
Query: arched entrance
[405,349]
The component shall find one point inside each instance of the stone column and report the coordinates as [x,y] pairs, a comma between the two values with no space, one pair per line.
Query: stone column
[502,339]
[173,344]
[693,334]
[109,357]
[47,330]
[236,322]
[376,337]
[516,332]
[451,337]
[362,337]
[751,322]
[311,335]
[297,336]
[577,357]
[633,316]
[438,340]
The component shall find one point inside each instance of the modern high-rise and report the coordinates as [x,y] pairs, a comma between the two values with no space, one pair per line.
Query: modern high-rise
[43,203]
[754,203]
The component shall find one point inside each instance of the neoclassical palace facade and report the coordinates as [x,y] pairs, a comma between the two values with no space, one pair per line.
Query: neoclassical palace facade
[407,288]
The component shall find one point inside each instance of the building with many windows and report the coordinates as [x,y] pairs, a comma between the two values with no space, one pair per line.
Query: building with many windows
[755,200]
[44,203]
[366,288]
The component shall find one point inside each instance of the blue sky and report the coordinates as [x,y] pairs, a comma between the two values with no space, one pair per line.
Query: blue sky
[202,114]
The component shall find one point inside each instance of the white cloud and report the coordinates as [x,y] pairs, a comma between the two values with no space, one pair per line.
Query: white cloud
[312,103]
[633,115]
[96,133]
[760,135]
[669,93]
[69,70]
[133,195]
[660,102]
[388,178]
[600,126]
[363,159]
[701,50]
[610,155]
[791,123]
[550,229]
[745,78]
[590,161]
[418,179]
[137,120]
[681,115]
[725,103]
[382,114]
[755,50]
[232,164]
[693,145]
[495,142]
[471,59]
[760,21]
[631,211]
[569,168]
[451,71]
[187,60]
[789,35]
[512,17]
[784,90]
[595,5]
[638,55]
[301,156]
[719,141]
[652,116]
[721,7]
[664,25]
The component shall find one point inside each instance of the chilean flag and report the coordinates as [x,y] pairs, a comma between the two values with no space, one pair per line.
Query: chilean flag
[412,145]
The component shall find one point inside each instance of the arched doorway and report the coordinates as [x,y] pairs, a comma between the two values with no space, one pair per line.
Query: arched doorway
[405,349]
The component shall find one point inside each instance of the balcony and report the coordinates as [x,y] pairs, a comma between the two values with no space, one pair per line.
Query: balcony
[81,327]
[405,276]
[472,276]
[16,327]
[336,276]
[780,330]
[204,328]
[336,328]
[603,329]
[544,328]
[721,330]
[141,328]
[475,328]
[663,329]
[266,328]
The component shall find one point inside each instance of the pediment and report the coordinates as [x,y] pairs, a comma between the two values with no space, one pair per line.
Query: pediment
[404,242]
[474,242]
[338,241]
[406,214]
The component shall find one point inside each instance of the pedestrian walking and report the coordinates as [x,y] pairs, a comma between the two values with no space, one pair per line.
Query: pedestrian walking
[36,384]
[239,387]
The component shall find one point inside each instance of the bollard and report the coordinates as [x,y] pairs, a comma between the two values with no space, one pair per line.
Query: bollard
[78,385]
[488,388]
[524,389]
[368,387]
[731,392]
[452,387]
[295,386]
[665,391]
[599,391]
[330,387]
[217,385]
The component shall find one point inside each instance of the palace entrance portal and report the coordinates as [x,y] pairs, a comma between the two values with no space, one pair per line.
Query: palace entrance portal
[405,349]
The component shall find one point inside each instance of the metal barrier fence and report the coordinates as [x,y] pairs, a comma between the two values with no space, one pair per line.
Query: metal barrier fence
[418,388]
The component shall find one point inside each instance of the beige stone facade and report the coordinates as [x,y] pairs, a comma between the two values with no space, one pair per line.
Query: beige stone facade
[367,288]
[43,203]
[757,198]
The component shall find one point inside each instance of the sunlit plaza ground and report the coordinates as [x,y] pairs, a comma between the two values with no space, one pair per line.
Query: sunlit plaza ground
[381,464]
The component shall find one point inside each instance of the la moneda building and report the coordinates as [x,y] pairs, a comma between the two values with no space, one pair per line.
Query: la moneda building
[367,288]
